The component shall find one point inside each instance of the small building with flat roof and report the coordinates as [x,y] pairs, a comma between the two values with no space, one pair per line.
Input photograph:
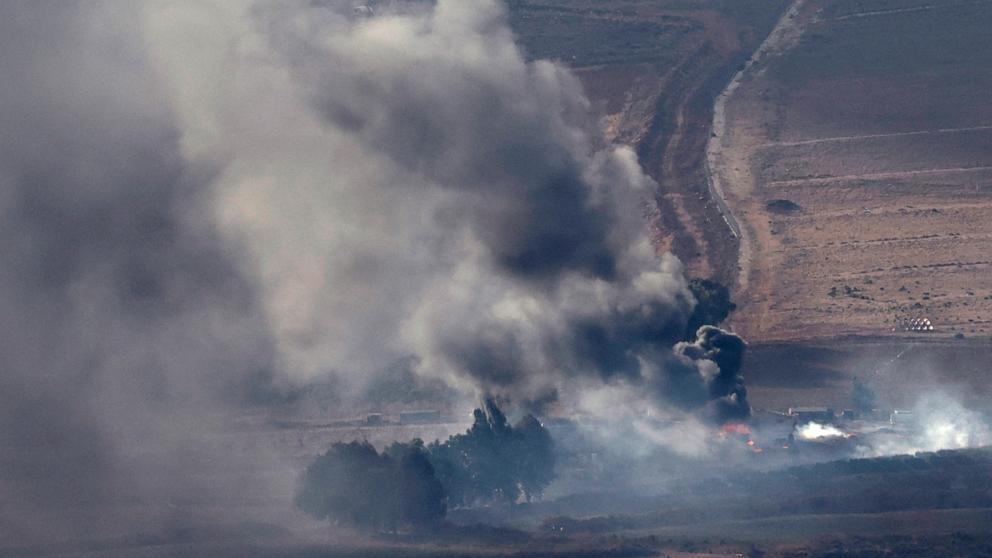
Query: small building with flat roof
[812,414]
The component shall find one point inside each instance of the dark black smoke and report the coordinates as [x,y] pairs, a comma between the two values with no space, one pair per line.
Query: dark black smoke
[713,305]
[537,271]
[718,356]
[530,204]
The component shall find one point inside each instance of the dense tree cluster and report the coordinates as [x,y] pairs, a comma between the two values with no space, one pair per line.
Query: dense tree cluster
[352,483]
[494,461]
[410,485]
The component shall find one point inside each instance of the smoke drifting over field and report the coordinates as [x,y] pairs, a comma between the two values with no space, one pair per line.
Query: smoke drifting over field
[409,185]
[206,201]
[504,250]
[208,204]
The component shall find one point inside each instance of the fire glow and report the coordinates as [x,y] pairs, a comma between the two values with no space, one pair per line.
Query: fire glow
[817,431]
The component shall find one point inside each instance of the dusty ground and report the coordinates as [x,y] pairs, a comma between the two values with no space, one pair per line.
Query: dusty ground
[875,121]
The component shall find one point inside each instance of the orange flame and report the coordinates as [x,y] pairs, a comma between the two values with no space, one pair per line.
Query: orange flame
[735,428]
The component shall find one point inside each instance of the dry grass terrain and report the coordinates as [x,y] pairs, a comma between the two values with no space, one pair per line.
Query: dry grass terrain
[858,160]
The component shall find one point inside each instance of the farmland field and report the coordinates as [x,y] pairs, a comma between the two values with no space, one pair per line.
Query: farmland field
[859,161]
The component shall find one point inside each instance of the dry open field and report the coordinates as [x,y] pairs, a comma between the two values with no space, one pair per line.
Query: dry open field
[857,155]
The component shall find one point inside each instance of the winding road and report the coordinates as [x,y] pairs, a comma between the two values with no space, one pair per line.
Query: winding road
[785,33]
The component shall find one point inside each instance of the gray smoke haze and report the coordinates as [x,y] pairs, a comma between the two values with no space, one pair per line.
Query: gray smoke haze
[204,200]
[431,193]
[938,421]
[126,324]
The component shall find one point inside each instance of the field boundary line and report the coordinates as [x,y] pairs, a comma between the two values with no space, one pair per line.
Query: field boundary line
[839,139]
[923,8]
[895,174]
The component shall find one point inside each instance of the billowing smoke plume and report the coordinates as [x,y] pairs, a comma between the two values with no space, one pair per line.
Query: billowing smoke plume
[411,185]
[197,196]
[717,356]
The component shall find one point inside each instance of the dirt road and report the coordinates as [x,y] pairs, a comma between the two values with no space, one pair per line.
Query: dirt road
[720,170]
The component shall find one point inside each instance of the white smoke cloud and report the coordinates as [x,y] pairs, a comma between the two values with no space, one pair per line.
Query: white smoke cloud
[938,421]
[817,431]
[628,422]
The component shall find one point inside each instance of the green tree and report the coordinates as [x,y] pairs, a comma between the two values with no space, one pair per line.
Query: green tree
[355,485]
[494,461]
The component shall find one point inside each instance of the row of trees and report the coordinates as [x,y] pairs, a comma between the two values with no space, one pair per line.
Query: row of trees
[494,461]
[410,485]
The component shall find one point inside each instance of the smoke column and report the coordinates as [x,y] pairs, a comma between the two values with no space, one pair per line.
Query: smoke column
[410,185]
[205,201]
